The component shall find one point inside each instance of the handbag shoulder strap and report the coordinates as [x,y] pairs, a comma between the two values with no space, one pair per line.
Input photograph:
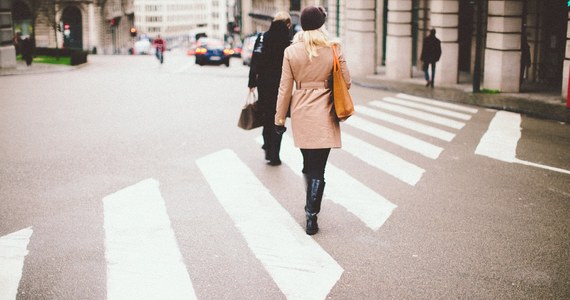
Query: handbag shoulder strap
[336,63]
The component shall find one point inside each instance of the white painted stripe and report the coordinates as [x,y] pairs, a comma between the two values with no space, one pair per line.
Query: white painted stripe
[501,139]
[13,251]
[531,164]
[367,205]
[436,110]
[382,160]
[439,103]
[297,264]
[143,258]
[418,114]
[403,140]
[405,123]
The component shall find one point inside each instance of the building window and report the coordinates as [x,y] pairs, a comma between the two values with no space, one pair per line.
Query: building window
[152,7]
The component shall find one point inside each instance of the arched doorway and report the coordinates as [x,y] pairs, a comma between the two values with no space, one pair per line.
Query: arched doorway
[22,19]
[552,36]
[72,28]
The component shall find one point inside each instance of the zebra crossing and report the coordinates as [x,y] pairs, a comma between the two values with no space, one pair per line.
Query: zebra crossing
[144,260]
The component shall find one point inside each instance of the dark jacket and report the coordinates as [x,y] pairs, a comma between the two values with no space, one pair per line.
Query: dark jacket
[266,63]
[431,49]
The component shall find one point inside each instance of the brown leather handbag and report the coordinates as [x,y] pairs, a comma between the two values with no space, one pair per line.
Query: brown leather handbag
[343,105]
[250,116]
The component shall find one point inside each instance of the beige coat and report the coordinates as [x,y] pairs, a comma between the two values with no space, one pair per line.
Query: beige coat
[313,120]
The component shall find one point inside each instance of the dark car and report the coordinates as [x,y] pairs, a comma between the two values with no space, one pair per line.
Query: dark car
[212,52]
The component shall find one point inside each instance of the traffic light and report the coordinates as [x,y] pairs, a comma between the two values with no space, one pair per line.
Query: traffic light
[133,32]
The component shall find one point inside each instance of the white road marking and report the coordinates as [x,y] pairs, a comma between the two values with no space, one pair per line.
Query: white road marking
[439,103]
[143,258]
[440,111]
[418,114]
[13,251]
[501,140]
[403,140]
[297,264]
[342,189]
[405,123]
[382,160]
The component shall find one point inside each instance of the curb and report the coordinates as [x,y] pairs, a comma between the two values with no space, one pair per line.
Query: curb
[546,108]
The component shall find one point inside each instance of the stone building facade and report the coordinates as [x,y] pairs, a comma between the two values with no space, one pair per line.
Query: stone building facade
[386,36]
[101,26]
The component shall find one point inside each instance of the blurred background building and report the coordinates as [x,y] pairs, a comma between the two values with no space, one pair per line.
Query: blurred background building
[483,41]
[94,25]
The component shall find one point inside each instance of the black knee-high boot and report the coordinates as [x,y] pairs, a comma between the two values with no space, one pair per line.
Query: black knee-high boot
[315,189]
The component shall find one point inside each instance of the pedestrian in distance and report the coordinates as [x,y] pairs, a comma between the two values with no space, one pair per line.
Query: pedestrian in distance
[525,59]
[17,41]
[160,46]
[265,74]
[431,52]
[27,50]
[308,63]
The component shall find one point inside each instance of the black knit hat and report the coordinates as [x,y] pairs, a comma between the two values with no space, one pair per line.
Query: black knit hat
[313,17]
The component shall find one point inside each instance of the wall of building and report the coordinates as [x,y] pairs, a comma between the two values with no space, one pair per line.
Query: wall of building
[398,33]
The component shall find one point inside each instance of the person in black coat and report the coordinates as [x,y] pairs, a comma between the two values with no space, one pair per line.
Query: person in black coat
[265,74]
[431,52]
[27,50]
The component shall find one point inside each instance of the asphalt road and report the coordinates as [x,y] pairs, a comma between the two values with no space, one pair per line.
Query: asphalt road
[127,179]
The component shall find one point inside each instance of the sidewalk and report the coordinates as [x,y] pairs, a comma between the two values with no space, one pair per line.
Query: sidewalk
[35,68]
[542,105]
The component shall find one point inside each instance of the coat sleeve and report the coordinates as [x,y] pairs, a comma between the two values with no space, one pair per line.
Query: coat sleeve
[344,69]
[254,64]
[285,92]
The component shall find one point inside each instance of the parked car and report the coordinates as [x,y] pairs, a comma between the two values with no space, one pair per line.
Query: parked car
[212,51]
[142,46]
[247,49]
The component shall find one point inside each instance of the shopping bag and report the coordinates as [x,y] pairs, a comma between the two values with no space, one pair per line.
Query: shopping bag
[343,105]
[250,116]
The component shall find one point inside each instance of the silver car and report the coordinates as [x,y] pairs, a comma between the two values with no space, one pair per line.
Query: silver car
[247,49]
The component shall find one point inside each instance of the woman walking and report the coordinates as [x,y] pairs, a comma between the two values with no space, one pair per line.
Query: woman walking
[265,74]
[308,63]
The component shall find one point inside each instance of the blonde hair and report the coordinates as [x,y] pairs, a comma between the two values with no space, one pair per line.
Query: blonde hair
[314,40]
[282,16]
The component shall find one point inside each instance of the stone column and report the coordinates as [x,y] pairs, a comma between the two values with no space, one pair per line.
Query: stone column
[360,37]
[445,20]
[503,50]
[399,40]
[566,68]
[246,21]
[7,50]
[93,38]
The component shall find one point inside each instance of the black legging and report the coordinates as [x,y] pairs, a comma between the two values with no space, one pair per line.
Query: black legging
[315,161]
